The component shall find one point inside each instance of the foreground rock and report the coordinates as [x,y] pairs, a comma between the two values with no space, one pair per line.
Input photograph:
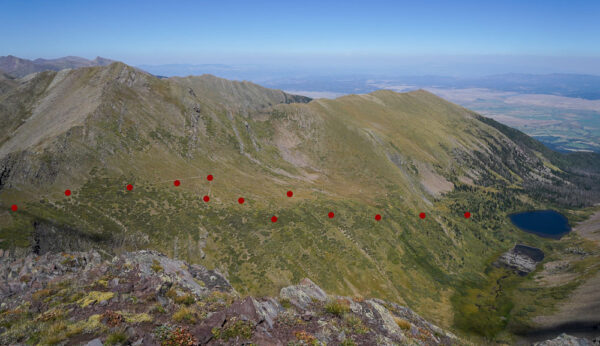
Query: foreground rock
[146,298]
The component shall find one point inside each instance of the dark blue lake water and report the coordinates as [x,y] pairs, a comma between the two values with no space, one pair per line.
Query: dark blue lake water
[545,223]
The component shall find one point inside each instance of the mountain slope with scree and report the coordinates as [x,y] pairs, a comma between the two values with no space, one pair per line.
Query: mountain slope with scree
[95,130]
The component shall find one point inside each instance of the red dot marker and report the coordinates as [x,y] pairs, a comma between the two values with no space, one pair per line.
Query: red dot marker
[274,219]
[206,198]
[209,177]
[467,215]
[14,207]
[176,183]
[377,217]
[422,215]
[331,215]
[129,187]
[67,192]
[241,200]
[290,193]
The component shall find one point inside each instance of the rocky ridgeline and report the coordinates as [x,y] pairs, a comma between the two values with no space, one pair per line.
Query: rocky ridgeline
[146,298]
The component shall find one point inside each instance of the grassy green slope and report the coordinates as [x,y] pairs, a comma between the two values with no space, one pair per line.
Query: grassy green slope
[388,153]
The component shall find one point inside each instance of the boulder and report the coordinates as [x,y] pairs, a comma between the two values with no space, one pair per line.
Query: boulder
[204,331]
[380,317]
[246,310]
[303,294]
[269,310]
[256,311]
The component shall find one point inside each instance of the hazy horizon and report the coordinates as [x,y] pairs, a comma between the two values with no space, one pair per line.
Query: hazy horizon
[459,39]
[452,66]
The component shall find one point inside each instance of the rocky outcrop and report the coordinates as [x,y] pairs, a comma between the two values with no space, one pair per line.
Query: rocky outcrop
[146,298]
[522,258]
[303,294]
[568,340]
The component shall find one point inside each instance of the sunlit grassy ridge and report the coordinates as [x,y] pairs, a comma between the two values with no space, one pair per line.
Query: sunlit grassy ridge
[359,155]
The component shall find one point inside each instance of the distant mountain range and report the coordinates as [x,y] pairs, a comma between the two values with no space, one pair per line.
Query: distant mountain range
[18,67]
[568,85]
[562,84]
[287,78]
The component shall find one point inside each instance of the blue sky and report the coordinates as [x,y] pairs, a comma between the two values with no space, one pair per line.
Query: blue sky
[152,32]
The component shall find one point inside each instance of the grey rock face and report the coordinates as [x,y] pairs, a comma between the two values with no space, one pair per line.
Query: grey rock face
[268,310]
[303,294]
[154,268]
[23,272]
[152,263]
[385,320]
[523,259]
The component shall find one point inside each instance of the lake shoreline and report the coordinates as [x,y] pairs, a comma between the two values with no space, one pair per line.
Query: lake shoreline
[546,223]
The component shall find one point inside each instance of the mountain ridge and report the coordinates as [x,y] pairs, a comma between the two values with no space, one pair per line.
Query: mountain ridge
[388,153]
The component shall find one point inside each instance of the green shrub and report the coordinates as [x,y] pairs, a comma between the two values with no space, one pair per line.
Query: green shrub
[184,314]
[402,323]
[156,266]
[348,342]
[355,324]
[285,303]
[242,329]
[186,299]
[41,294]
[337,307]
[158,309]
[116,338]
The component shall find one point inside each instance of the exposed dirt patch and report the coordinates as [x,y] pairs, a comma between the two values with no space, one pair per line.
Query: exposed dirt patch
[433,182]
[287,141]
[590,228]
[555,274]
